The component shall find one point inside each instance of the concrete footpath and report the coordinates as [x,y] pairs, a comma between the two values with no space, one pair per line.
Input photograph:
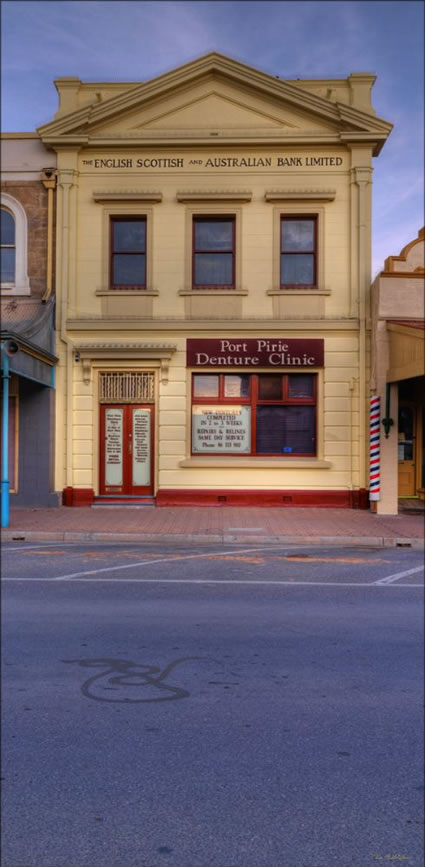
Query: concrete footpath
[212,524]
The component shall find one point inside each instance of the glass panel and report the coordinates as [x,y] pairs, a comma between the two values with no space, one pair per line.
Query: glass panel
[213,270]
[270,386]
[301,385]
[216,235]
[405,433]
[297,235]
[205,386]
[297,269]
[7,257]
[141,447]
[236,386]
[7,228]
[130,236]
[113,447]
[217,429]
[286,430]
[129,270]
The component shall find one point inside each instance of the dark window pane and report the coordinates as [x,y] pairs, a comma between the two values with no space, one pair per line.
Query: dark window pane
[405,433]
[215,235]
[205,385]
[129,236]
[7,228]
[301,385]
[286,430]
[213,270]
[297,235]
[270,386]
[129,270]
[7,265]
[236,386]
[297,270]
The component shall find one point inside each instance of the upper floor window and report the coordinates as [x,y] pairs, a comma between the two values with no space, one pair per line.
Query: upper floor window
[8,249]
[128,253]
[213,261]
[298,252]
[13,249]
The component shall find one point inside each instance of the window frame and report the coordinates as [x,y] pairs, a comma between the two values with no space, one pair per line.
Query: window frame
[254,401]
[295,211]
[212,210]
[126,218]
[21,284]
[287,218]
[214,218]
[128,210]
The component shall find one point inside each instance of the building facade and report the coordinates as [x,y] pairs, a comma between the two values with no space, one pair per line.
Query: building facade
[398,374]
[28,182]
[213,274]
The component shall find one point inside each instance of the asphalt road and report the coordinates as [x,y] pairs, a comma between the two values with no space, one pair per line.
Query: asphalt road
[247,706]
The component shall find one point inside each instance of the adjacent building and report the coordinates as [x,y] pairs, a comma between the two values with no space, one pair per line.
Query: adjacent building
[213,287]
[398,374]
[28,181]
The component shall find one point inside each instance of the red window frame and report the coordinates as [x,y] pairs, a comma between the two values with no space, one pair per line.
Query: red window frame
[216,218]
[254,401]
[296,218]
[122,218]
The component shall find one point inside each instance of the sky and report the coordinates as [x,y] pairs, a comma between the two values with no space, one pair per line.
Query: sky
[134,40]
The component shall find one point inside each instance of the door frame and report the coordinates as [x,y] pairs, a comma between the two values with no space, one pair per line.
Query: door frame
[127,489]
[406,404]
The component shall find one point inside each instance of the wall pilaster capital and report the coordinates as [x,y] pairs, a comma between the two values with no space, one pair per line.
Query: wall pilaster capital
[361,175]
[67,177]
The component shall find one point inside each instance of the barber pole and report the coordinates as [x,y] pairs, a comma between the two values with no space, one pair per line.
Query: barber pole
[374,450]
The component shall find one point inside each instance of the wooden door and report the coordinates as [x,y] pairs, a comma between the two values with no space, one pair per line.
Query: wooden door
[126,450]
[406,451]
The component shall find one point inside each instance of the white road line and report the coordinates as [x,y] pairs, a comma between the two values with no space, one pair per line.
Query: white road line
[206,581]
[33,547]
[174,559]
[390,578]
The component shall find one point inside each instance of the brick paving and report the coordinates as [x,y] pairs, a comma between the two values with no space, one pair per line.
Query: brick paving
[230,523]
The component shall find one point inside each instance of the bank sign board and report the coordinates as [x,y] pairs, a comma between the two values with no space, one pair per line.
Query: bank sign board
[255,352]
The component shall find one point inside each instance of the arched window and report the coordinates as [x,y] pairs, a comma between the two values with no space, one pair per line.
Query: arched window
[8,250]
[14,247]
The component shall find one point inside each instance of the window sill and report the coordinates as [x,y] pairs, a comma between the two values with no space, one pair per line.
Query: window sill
[11,289]
[120,292]
[198,292]
[251,462]
[294,291]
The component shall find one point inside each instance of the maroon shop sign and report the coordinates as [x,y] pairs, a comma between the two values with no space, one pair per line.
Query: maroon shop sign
[255,352]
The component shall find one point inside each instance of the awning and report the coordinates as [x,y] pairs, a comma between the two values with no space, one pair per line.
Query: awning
[406,349]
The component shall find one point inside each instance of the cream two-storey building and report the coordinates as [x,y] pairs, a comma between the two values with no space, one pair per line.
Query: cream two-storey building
[212,281]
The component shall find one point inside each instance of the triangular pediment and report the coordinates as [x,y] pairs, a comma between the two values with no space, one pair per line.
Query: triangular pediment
[213,93]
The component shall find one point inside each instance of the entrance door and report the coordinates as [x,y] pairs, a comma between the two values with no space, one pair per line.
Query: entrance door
[406,451]
[126,450]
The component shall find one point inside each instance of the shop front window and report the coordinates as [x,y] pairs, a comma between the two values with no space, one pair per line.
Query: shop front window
[254,414]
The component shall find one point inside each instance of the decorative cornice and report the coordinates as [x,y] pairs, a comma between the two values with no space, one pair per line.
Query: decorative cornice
[214,196]
[285,195]
[162,352]
[118,324]
[128,196]
[213,65]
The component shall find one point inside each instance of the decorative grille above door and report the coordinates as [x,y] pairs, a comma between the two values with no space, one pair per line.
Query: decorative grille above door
[126,387]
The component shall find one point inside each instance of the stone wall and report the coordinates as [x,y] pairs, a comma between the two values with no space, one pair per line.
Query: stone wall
[33,197]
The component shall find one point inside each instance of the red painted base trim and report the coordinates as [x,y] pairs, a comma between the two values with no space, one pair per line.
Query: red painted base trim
[77,497]
[343,499]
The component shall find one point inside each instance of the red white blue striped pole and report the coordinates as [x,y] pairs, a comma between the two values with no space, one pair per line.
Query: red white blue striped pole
[374,449]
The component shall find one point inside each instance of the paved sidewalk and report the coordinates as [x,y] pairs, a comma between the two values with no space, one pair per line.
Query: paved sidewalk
[216,524]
